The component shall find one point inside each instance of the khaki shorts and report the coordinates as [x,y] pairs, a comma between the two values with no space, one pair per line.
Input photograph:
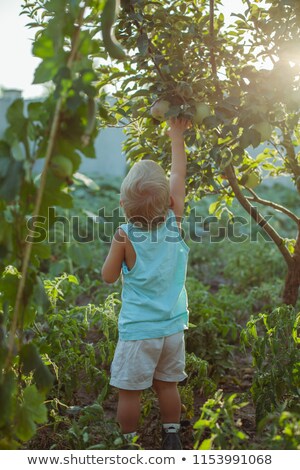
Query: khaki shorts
[137,363]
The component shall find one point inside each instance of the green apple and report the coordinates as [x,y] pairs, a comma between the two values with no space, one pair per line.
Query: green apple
[159,109]
[265,130]
[61,166]
[202,111]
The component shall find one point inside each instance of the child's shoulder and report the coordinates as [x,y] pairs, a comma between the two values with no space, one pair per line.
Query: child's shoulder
[121,235]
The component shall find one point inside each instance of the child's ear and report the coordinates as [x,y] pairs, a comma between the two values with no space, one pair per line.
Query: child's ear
[121,203]
[171,202]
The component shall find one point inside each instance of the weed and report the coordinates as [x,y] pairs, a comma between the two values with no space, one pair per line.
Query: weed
[274,341]
[280,430]
[217,427]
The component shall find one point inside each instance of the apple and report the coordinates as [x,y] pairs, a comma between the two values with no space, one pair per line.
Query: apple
[265,130]
[202,111]
[159,109]
[61,166]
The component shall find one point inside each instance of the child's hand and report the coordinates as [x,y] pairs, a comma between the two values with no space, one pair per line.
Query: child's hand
[177,127]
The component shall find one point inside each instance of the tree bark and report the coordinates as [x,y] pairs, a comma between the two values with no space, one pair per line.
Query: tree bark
[292,283]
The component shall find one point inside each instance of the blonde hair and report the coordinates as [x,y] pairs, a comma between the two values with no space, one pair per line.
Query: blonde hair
[145,193]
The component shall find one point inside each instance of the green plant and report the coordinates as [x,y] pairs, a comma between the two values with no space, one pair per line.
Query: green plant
[274,341]
[24,385]
[217,427]
[197,382]
[79,343]
[92,430]
[61,130]
[280,430]
[212,328]
[248,271]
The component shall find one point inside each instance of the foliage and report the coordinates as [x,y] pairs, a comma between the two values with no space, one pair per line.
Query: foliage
[217,427]
[93,431]
[61,130]
[184,54]
[24,385]
[212,328]
[196,382]
[80,236]
[79,345]
[65,340]
[274,341]
[280,430]
[248,272]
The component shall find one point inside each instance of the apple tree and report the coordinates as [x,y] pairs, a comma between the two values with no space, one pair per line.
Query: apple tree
[238,84]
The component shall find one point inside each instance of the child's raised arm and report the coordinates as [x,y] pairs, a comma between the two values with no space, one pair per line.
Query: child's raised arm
[112,266]
[178,166]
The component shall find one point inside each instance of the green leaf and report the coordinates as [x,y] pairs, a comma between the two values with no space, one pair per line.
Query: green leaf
[250,137]
[9,284]
[143,43]
[73,279]
[29,315]
[43,378]
[213,207]
[43,47]
[202,423]
[7,394]
[17,151]
[32,410]
[15,112]
[26,427]
[45,71]
[10,186]
[30,358]
[211,122]
[206,444]
[36,110]
[4,166]
[41,250]
[34,403]
[55,196]
[40,297]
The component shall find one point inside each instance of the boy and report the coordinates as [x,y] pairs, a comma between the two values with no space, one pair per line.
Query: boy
[153,258]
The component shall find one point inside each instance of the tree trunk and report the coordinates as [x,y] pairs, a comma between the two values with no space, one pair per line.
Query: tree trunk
[292,283]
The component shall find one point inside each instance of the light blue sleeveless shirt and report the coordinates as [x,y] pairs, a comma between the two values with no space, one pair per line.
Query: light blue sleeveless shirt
[154,300]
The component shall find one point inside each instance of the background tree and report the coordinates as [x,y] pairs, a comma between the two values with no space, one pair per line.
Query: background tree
[239,84]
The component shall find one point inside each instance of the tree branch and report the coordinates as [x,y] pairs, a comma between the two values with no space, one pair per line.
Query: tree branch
[259,219]
[272,204]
